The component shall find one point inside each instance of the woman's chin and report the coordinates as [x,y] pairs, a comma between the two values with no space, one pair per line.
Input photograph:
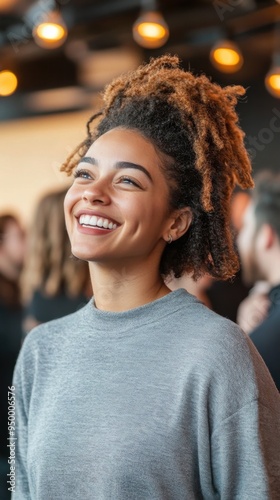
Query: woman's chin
[82,254]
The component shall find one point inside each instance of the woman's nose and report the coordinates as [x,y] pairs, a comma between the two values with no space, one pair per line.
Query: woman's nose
[98,192]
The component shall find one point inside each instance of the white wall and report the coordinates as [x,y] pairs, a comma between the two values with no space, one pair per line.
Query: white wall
[31,152]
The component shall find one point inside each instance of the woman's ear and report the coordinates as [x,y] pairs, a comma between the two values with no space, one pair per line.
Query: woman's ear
[180,222]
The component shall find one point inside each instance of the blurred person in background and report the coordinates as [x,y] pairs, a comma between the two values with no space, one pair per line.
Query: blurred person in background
[253,310]
[225,296]
[54,283]
[12,246]
[259,249]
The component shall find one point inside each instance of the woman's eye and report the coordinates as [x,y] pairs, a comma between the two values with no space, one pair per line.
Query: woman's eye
[82,174]
[128,180]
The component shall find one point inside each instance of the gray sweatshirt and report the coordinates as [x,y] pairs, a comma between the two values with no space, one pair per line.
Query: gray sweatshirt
[168,401]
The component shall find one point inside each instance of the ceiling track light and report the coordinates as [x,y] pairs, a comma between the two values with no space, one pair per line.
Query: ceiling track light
[226,56]
[150,30]
[50,32]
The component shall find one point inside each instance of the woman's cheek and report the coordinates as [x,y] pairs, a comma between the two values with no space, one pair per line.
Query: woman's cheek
[69,203]
[70,199]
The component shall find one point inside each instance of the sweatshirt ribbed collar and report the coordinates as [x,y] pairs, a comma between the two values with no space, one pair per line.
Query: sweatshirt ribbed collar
[137,317]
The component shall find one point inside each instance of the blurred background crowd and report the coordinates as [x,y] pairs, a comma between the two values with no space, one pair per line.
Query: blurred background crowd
[56,56]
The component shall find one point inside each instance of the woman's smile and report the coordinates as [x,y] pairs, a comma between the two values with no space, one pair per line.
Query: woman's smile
[95,223]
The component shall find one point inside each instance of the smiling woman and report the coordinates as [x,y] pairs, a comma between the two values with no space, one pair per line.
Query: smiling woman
[145,393]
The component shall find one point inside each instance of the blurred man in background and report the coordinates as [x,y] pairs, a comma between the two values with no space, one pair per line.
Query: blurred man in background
[259,248]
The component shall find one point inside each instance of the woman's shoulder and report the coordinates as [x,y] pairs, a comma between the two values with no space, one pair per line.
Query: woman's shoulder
[193,313]
[218,343]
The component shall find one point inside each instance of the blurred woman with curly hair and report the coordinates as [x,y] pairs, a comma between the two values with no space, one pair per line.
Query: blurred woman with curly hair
[146,393]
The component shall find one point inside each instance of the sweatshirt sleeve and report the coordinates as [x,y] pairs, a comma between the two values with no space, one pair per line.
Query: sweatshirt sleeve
[245,421]
[246,454]
[21,432]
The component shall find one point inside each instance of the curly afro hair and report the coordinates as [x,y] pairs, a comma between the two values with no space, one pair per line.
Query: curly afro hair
[193,124]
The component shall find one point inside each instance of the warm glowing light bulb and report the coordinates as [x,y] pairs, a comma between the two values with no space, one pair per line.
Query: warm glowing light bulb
[8,83]
[51,32]
[226,57]
[150,30]
[272,82]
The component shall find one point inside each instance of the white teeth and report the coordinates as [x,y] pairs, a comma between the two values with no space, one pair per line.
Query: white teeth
[94,221]
[105,223]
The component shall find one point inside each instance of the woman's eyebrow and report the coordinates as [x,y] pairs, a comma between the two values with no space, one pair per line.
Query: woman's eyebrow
[118,165]
[88,159]
[128,164]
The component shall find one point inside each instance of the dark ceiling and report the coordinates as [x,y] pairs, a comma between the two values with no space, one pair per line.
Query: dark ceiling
[100,26]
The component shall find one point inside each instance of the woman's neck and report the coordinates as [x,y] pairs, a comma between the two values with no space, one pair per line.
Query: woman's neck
[120,288]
